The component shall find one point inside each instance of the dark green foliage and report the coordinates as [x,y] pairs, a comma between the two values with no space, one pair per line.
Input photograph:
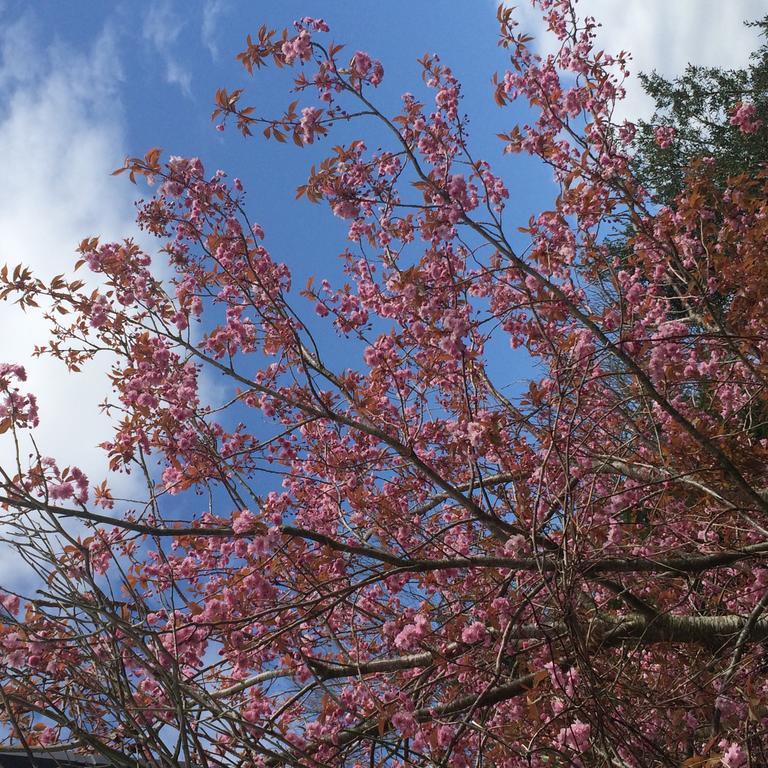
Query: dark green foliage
[698,105]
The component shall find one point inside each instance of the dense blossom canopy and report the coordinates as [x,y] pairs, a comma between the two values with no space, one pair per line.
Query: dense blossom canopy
[400,559]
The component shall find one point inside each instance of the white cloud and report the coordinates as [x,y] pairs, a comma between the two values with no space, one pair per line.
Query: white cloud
[665,35]
[161,29]
[60,137]
[213,10]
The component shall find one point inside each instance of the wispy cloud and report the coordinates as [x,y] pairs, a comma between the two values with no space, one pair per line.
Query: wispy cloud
[213,11]
[665,35]
[161,29]
[60,136]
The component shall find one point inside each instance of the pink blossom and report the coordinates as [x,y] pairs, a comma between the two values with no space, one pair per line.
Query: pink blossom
[572,102]
[48,736]
[361,64]
[309,123]
[474,633]
[404,722]
[627,132]
[733,754]
[514,545]
[664,135]
[376,75]
[10,603]
[408,637]
[61,491]
[245,522]
[576,736]
[15,407]
[444,735]
[635,294]
[8,370]
[317,24]
[475,432]
[346,209]
[100,553]
[744,116]
[172,477]
[299,47]
[99,311]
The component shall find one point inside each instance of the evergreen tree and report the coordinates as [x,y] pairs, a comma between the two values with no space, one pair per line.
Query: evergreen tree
[702,109]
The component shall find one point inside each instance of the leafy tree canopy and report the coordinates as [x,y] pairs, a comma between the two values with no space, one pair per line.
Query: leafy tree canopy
[701,107]
[392,557]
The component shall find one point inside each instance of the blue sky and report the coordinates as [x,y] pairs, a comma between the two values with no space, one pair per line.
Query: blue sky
[84,83]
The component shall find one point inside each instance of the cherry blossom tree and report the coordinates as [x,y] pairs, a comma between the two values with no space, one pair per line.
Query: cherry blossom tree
[395,557]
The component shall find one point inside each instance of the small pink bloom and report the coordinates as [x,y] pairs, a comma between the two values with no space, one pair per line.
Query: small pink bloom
[61,491]
[664,135]
[310,123]
[48,736]
[361,63]
[244,522]
[316,24]
[404,722]
[733,755]
[474,633]
[575,736]
[627,132]
[743,116]
[409,636]
[635,294]
[10,603]
[300,47]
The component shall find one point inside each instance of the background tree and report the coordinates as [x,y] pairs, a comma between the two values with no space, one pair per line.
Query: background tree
[712,113]
[709,120]
[394,558]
